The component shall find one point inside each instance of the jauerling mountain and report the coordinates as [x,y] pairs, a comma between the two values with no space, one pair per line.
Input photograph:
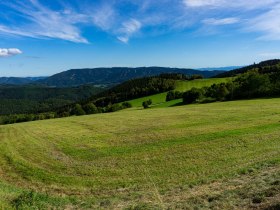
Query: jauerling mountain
[115,75]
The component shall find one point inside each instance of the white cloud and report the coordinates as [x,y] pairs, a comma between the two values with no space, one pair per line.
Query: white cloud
[103,17]
[267,23]
[229,4]
[37,20]
[223,21]
[129,28]
[65,24]
[203,3]
[43,22]
[259,17]
[9,52]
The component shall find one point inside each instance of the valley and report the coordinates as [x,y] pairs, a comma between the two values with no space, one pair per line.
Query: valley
[139,105]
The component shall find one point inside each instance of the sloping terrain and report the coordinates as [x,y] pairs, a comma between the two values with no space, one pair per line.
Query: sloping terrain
[265,67]
[219,155]
[159,100]
[113,76]
[20,99]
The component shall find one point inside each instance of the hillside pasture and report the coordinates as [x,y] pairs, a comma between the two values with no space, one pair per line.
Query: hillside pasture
[159,99]
[219,155]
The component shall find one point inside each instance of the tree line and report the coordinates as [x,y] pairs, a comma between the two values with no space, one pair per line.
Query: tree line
[249,85]
[31,99]
[110,100]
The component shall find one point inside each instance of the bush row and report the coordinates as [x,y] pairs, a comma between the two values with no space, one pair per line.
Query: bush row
[246,86]
[77,110]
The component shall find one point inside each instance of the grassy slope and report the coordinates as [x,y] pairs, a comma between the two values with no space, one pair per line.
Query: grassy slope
[221,154]
[159,99]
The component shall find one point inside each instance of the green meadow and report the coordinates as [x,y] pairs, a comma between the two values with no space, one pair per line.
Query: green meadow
[182,86]
[223,155]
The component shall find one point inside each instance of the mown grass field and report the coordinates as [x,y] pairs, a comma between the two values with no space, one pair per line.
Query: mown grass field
[159,99]
[220,155]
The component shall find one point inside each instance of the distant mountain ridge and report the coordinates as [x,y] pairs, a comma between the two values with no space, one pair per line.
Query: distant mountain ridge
[114,75]
[14,80]
[18,80]
[226,68]
[263,67]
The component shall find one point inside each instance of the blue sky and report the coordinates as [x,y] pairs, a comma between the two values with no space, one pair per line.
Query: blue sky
[43,37]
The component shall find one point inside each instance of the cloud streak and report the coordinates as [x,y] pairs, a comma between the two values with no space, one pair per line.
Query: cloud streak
[42,22]
[9,52]
[68,21]
[225,4]
[129,28]
[223,21]
[268,24]
[203,3]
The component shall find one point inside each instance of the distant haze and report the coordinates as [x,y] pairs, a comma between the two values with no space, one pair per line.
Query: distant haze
[227,68]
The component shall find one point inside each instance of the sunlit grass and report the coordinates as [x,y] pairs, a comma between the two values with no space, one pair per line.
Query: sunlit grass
[145,158]
[159,99]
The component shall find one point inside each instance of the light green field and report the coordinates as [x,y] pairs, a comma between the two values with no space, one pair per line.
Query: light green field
[220,155]
[159,99]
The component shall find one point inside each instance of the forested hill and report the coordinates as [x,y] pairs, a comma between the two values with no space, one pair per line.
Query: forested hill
[112,76]
[19,80]
[269,66]
[14,80]
[21,99]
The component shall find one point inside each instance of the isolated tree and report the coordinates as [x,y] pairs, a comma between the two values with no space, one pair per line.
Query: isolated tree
[146,104]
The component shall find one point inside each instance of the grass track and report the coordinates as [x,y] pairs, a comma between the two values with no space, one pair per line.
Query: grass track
[145,158]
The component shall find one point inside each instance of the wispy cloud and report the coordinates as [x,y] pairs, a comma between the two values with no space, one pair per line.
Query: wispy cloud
[102,16]
[256,16]
[242,4]
[9,52]
[125,18]
[42,22]
[223,21]
[267,23]
[203,3]
[128,29]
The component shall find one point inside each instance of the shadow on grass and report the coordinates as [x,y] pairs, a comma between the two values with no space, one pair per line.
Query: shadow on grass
[178,104]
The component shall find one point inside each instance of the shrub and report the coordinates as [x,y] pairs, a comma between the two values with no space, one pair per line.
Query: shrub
[196,76]
[126,105]
[146,104]
[114,108]
[90,108]
[192,95]
[78,110]
[172,95]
